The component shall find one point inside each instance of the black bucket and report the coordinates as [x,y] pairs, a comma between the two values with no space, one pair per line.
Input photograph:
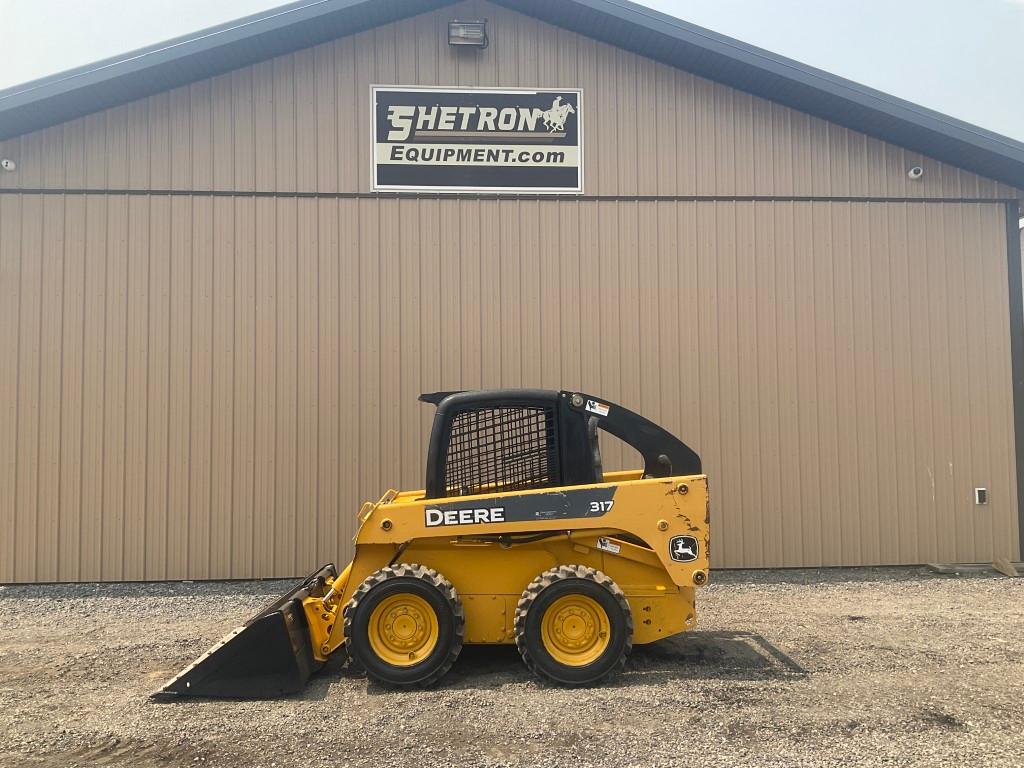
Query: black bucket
[268,656]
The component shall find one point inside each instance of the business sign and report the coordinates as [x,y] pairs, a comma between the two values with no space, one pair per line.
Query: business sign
[477,140]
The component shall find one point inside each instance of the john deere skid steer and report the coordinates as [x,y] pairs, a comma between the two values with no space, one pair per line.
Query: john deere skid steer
[519,537]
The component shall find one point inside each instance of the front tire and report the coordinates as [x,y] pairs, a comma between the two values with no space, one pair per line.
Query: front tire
[573,625]
[405,625]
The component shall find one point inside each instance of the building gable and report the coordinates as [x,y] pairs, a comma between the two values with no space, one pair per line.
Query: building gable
[300,122]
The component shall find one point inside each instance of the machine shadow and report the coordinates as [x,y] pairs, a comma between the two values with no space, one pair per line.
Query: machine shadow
[696,655]
[714,655]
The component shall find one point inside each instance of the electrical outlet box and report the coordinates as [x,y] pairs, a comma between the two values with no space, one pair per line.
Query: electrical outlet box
[981,496]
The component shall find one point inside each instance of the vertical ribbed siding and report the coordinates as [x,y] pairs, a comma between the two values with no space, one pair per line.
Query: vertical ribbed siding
[202,387]
[302,122]
[209,387]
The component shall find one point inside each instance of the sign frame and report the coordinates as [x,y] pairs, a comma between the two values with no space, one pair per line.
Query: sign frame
[376,187]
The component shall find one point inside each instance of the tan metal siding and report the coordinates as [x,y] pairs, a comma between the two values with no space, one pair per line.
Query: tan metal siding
[203,387]
[209,387]
[301,122]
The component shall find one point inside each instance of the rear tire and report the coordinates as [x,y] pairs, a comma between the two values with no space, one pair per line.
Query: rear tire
[404,625]
[573,625]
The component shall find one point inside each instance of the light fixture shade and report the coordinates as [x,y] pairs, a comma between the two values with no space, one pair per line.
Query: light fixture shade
[471,33]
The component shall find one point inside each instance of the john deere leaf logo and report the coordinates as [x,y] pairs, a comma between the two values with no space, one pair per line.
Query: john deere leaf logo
[683,549]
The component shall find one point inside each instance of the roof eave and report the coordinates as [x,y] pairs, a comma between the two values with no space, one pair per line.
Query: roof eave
[135,75]
[776,78]
[205,54]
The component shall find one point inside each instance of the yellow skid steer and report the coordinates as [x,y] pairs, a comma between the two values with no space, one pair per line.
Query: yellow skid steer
[520,537]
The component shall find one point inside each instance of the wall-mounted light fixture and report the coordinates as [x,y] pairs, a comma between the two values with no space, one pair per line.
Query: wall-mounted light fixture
[8,165]
[469,33]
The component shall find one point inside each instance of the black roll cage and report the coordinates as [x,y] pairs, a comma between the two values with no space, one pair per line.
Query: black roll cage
[577,414]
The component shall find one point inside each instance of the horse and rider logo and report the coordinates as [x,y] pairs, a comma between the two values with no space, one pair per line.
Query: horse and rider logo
[554,118]
[683,549]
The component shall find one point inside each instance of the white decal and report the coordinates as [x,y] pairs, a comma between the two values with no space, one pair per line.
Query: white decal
[595,407]
[600,507]
[434,517]
[607,545]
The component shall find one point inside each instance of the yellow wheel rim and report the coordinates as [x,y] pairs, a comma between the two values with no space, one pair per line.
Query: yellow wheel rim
[575,630]
[403,629]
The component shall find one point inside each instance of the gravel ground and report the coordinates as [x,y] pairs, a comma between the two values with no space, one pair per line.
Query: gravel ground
[836,667]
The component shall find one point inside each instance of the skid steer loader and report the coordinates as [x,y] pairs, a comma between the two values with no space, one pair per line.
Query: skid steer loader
[519,537]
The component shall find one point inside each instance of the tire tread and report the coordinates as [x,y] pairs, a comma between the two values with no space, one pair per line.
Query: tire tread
[562,573]
[422,573]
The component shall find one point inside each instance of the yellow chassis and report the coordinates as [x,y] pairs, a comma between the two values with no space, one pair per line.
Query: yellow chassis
[490,574]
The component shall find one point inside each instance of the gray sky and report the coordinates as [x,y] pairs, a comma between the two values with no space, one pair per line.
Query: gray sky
[961,57]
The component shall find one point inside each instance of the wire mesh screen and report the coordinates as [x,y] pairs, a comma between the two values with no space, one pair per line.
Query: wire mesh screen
[502,449]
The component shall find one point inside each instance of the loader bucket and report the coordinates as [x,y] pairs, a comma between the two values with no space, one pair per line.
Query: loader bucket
[270,655]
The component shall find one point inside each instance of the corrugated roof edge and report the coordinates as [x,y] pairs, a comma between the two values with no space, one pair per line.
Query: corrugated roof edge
[777,78]
[687,32]
[196,56]
[67,95]
[246,25]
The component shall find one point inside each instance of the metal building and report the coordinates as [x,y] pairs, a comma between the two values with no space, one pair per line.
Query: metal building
[217,312]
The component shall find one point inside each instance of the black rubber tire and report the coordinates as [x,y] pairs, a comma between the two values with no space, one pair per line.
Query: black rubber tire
[441,596]
[555,583]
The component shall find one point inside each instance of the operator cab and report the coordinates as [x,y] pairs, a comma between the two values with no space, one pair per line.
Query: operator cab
[494,441]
